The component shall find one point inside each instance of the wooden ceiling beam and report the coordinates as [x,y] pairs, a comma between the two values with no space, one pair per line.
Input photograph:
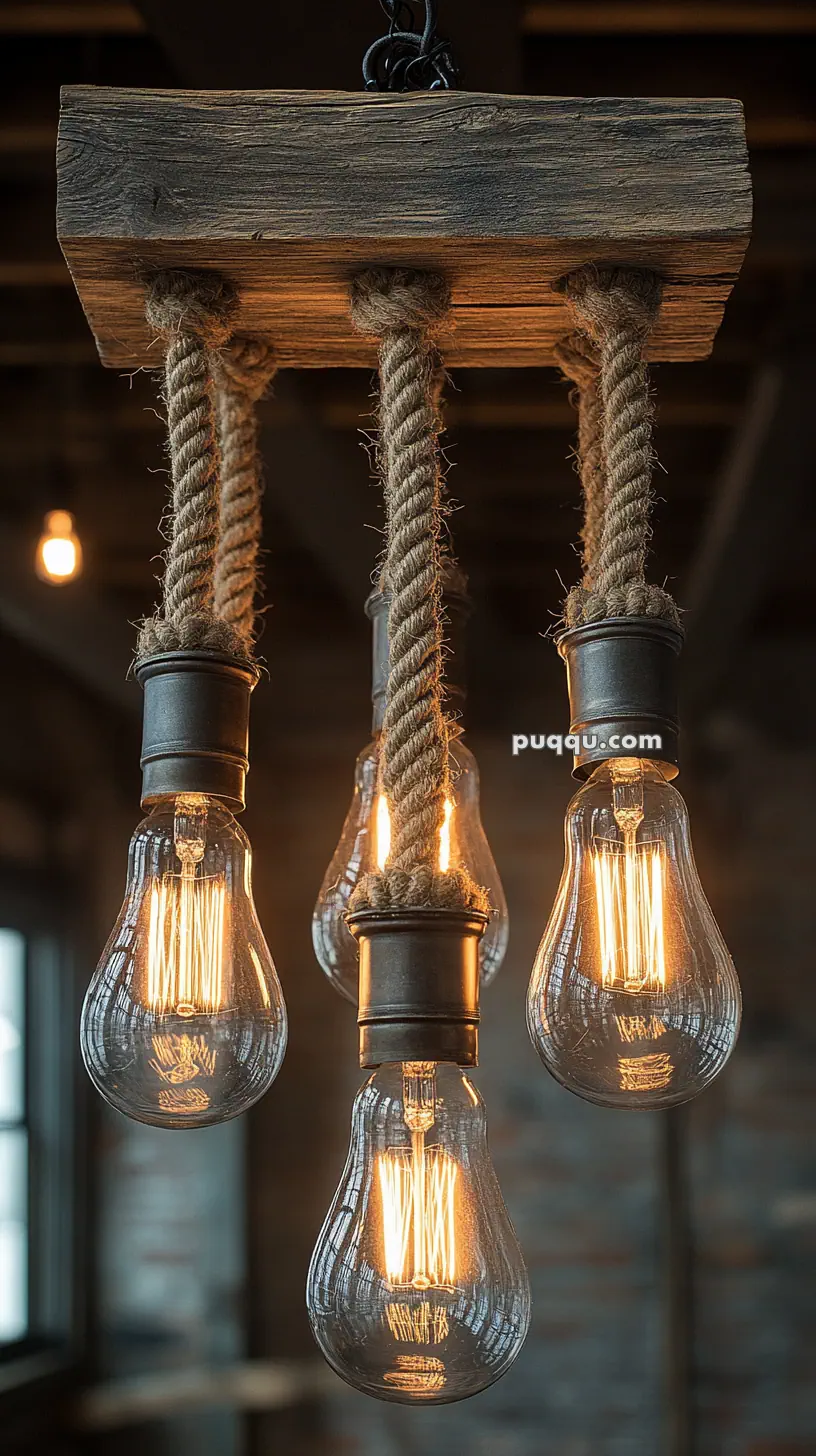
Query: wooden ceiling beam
[330,187]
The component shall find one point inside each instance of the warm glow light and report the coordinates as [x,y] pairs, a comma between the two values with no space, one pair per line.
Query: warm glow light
[382,835]
[383,832]
[417,1374]
[177,1061]
[182,1058]
[417,1186]
[417,1190]
[445,838]
[423,1324]
[645,1074]
[59,554]
[629,899]
[185,965]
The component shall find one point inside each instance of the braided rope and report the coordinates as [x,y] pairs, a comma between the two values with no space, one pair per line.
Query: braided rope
[616,308]
[192,313]
[578,360]
[243,371]
[403,309]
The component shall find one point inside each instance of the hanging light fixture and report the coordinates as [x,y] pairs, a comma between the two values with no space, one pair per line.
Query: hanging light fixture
[365,840]
[59,552]
[634,999]
[184,1022]
[417,1289]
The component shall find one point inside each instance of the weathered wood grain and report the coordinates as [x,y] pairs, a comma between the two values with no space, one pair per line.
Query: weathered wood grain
[289,193]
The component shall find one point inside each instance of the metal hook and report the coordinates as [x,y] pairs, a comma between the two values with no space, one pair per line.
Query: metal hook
[406,59]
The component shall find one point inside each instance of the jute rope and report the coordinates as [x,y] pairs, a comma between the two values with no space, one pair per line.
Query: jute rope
[615,310]
[403,309]
[578,359]
[243,370]
[210,563]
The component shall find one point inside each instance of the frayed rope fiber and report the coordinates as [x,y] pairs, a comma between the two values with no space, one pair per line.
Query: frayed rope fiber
[210,390]
[614,309]
[404,309]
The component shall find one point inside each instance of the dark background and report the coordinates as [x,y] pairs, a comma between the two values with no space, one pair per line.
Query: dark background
[672,1258]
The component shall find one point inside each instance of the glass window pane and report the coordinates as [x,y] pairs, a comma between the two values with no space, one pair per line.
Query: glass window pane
[12,1011]
[13,1234]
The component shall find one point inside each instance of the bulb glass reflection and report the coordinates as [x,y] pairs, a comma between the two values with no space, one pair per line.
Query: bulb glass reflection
[365,844]
[59,553]
[184,1022]
[417,1289]
[634,1000]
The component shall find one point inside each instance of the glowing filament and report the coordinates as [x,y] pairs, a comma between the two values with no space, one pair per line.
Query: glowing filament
[629,887]
[382,834]
[182,1058]
[177,1061]
[645,1074]
[417,1374]
[185,962]
[425,1324]
[417,1188]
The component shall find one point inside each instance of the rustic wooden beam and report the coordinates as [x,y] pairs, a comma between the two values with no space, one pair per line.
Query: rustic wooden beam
[290,193]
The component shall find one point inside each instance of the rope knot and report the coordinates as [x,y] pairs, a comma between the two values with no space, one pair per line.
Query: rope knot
[383,299]
[199,304]
[607,300]
[247,364]
[577,357]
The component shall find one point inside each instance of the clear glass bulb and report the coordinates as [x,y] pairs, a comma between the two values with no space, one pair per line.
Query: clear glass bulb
[417,1288]
[634,1000]
[184,1022]
[364,845]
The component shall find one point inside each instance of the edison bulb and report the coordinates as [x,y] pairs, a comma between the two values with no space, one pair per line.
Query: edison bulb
[634,1000]
[184,1022]
[364,846]
[417,1289]
[59,553]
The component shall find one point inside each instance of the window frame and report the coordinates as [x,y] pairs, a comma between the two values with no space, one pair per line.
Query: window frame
[36,904]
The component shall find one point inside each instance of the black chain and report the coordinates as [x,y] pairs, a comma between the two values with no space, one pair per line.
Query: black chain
[407,59]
